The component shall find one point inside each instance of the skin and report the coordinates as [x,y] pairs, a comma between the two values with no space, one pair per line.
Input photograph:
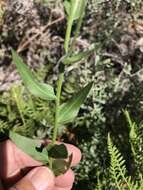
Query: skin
[18,171]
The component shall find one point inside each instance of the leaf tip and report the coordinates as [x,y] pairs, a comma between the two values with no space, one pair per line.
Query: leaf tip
[89,85]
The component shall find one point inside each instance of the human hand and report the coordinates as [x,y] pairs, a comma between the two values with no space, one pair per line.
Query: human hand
[18,171]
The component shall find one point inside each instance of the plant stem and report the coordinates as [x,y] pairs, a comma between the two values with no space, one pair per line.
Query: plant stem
[59,88]
[82,8]
[55,131]
[50,163]
[18,100]
[67,37]
[67,50]
[58,96]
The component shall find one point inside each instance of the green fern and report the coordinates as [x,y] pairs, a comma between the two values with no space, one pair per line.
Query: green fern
[141,183]
[118,169]
[3,126]
[99,185]
[15,109]
[135,139]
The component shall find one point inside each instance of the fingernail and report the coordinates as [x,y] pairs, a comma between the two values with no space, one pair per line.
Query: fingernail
[42,178]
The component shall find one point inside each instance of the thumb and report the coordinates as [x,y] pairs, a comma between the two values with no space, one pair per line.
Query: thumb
[40,178]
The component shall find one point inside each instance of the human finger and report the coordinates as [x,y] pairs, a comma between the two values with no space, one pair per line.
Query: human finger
[75,152]
[40,178]
[13,159]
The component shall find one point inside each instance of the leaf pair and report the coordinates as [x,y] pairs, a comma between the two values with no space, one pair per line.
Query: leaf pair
[67,111]
[43,153]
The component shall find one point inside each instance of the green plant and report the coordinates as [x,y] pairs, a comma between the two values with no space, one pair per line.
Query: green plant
[53,155]
[17,106]
[118,169]
[135,139]
[119,175]
[113,90]
[117,85]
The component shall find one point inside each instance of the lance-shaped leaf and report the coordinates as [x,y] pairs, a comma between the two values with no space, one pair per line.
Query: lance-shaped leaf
[36,88]
[29,146]
[77,57]
[68,111]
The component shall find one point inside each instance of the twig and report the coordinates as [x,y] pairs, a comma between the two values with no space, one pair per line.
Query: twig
[24,43]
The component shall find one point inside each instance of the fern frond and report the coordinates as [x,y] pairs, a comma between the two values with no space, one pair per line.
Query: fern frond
[3,125]
[140,183]
[99,183]
[118,169]
[136,142]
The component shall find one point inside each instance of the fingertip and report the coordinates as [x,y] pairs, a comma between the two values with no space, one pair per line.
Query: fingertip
[42,178]
[76,154]
[8,163]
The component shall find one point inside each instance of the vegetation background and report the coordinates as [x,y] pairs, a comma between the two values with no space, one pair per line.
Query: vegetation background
[36,29]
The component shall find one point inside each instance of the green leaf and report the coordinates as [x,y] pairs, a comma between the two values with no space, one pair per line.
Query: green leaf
[36,88]
[71,6]
[67,6]
[29,146]
[68,111]
[77,57]
[58,151]
[61,166]
[74,10]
